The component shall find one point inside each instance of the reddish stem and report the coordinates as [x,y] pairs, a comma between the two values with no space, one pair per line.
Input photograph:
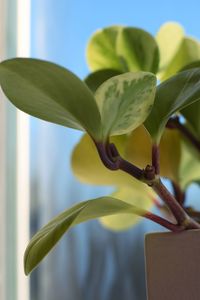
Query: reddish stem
[178,193]
[163,222]
[179,213]
[156,158]
[113,161]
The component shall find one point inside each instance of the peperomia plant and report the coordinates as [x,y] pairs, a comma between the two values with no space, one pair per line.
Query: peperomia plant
[137,131]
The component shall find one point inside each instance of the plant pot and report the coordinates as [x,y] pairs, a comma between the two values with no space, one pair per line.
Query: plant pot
[173,265]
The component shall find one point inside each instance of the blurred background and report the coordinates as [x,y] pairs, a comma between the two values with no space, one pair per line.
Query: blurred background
[36,181]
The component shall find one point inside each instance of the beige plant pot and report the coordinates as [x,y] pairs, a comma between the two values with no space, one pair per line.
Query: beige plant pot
[173,265]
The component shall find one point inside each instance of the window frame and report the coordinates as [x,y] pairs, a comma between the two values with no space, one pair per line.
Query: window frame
[14,159]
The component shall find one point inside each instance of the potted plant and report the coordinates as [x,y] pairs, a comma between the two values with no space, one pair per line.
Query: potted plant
[137,131]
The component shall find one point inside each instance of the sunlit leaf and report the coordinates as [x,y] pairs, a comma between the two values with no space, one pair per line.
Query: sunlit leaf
[50,92]
[101,50]
[46,238]
[138,49]
[188,52]
[95,79]
[169,39]
[138,151]
[172,95]
[125,101]
[88,167]
[137,197]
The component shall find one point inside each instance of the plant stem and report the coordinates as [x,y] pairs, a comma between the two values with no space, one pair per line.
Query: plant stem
[156,158]
[113,161]
[178,193]
[177,210]
[163,222]
[175,123]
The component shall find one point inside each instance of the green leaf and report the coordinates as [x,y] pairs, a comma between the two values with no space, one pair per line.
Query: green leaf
[192,115]
[95,79]
[189,171]
[170,151]
[138,49]
[172,95]
[169,39]
[101,50]
[46,238]
[188,52]
[88,167]
[50,92]
[137,197]
[194,64]
[125,101]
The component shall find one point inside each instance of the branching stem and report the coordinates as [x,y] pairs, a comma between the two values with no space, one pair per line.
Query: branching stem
[113,161]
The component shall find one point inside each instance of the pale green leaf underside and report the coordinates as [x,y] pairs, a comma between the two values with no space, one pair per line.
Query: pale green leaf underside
[137,197]
[125,101]
[91,170]
[138,49]
[169,39]
[188,52]
[50,92]
[45,239]
[172,95]
[101,50]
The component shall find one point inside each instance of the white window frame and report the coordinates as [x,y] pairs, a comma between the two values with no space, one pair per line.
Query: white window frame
[14,159]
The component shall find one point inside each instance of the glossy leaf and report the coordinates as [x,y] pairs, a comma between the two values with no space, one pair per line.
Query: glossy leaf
[125,101]
[172,95]
[50,92]
[137,197]
[138,49]
[138,151]
[46,238]
[188,52]
[169,39]
[95,79]
[101,50]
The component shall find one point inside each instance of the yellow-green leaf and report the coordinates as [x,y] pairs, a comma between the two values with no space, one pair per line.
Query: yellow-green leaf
[138,197]
[47,237]
[101,50]
[169,39]
[88,167]
[138,151]
[188,53]
[138,49]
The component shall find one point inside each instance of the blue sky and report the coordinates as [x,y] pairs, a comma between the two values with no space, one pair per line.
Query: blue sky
[61,28]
